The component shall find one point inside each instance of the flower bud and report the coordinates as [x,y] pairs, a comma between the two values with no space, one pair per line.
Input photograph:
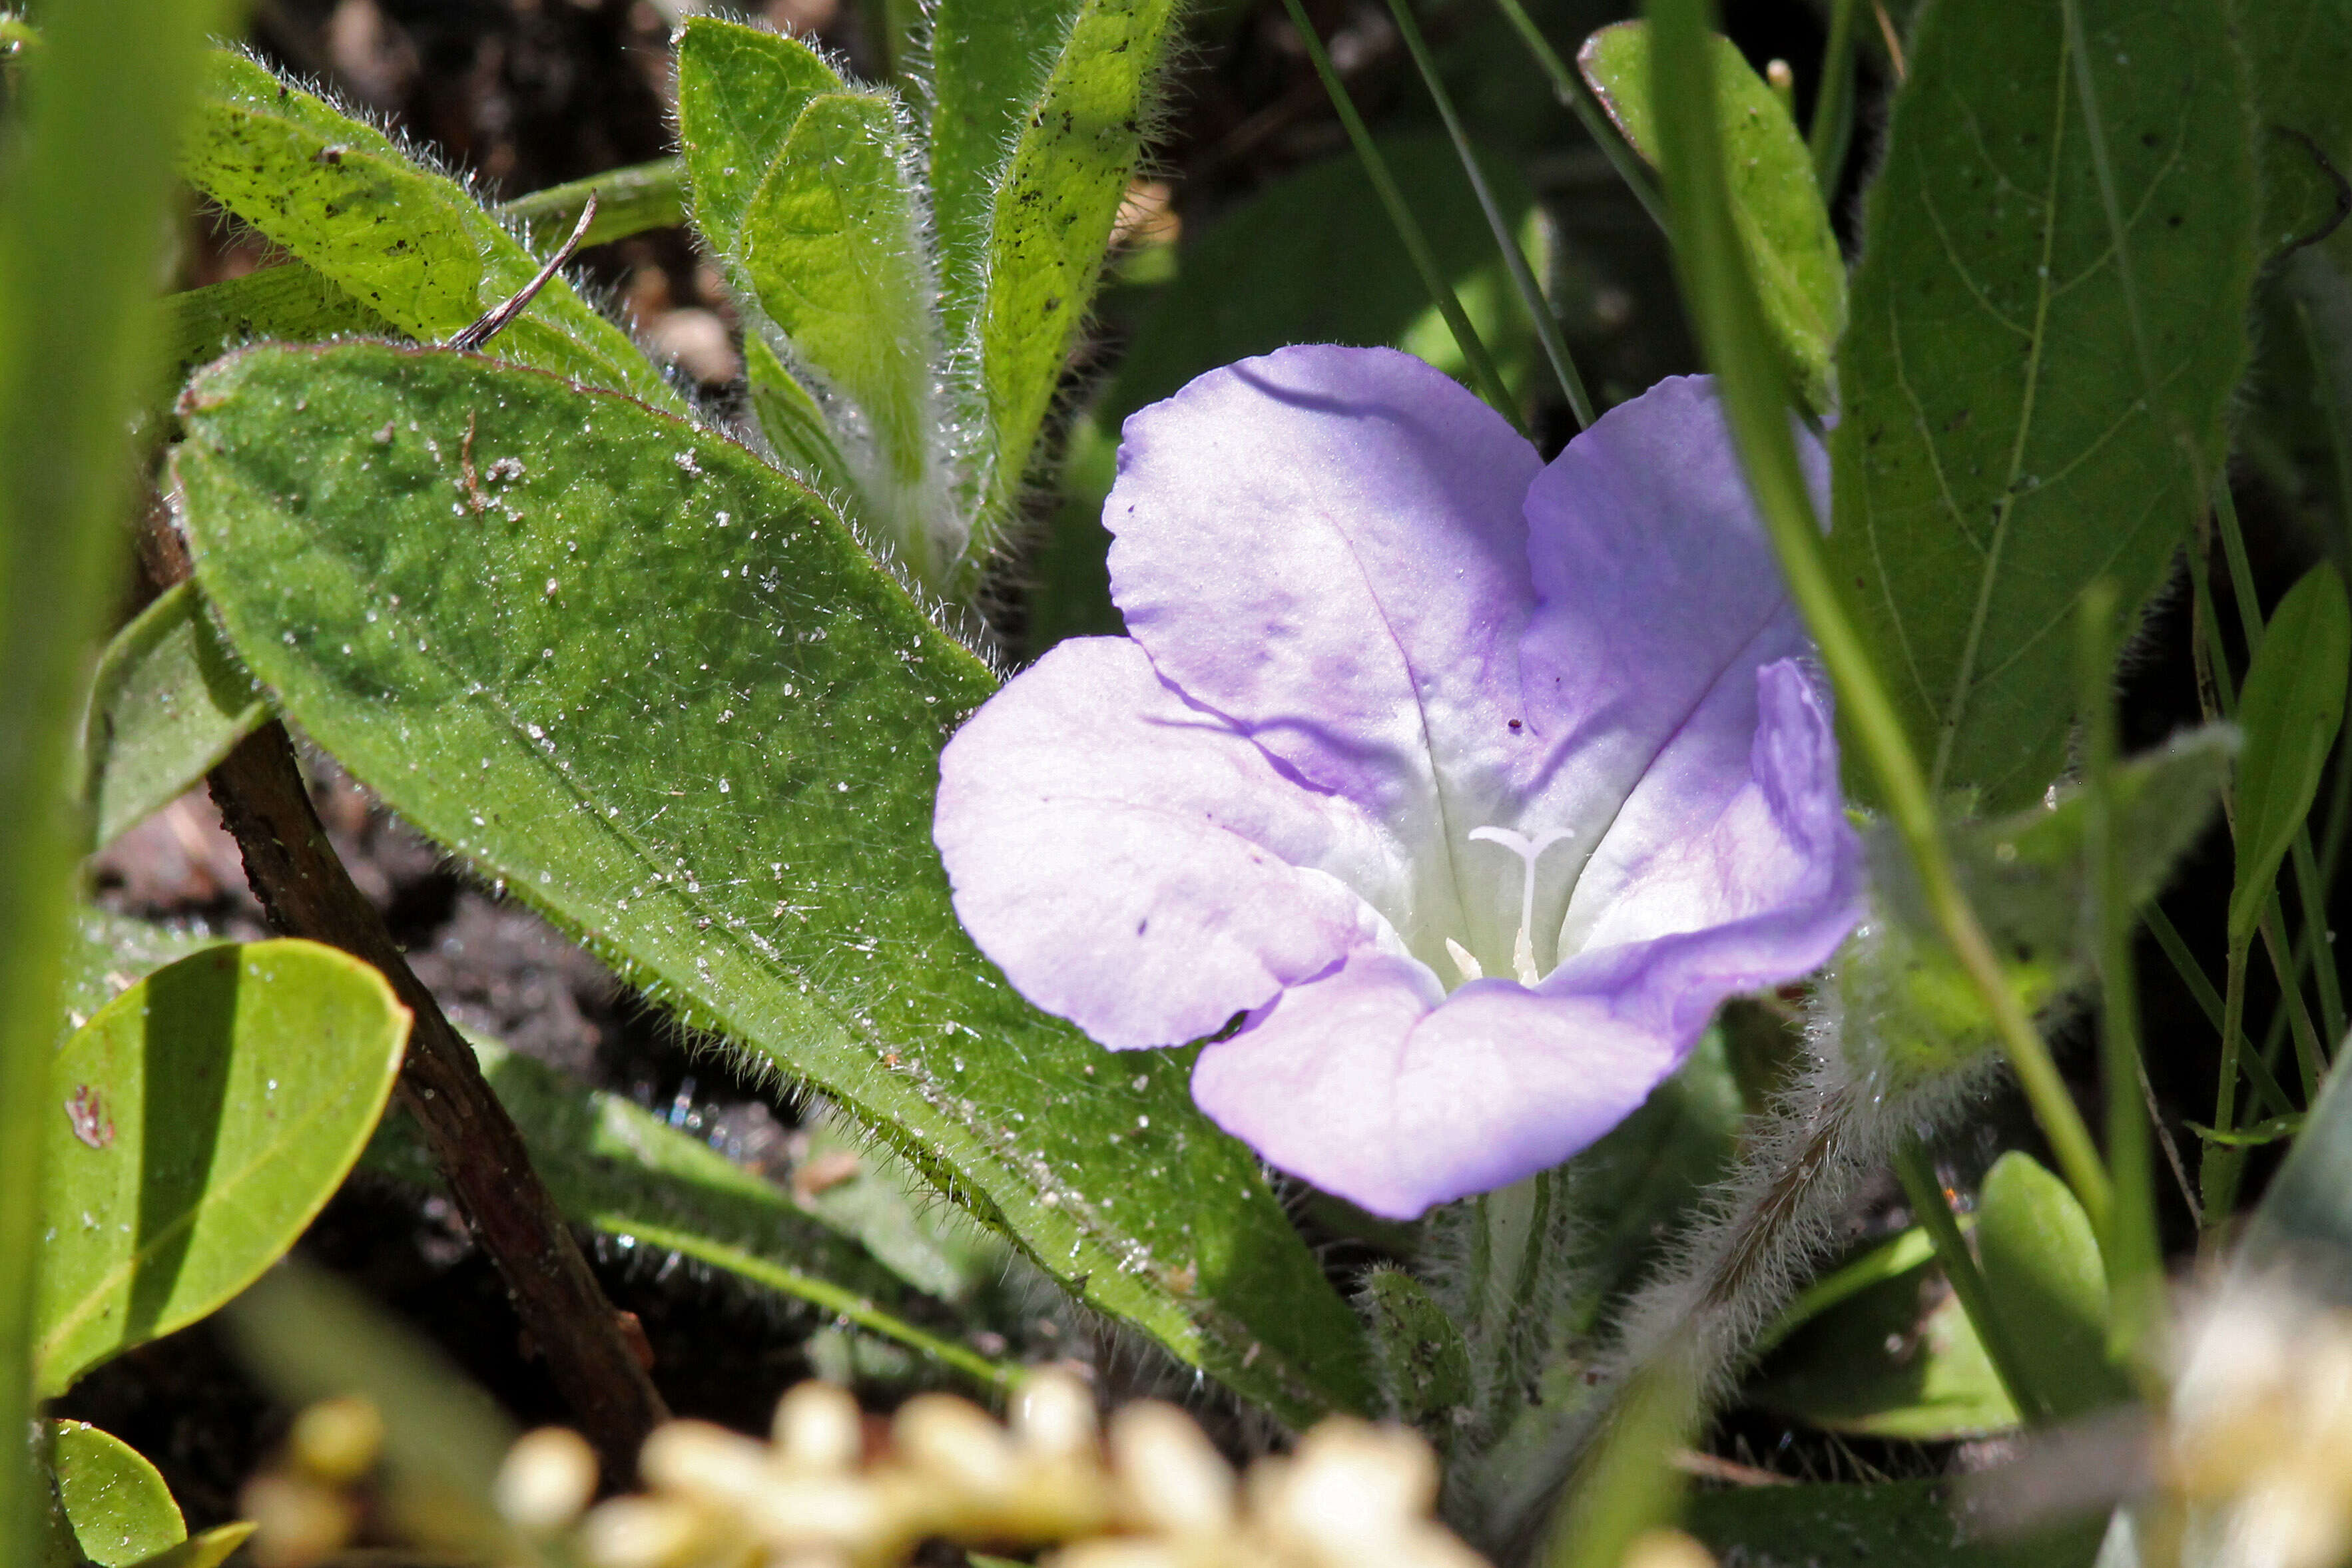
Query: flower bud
[818,1427]
[1054,1415]
[547,1480]
[337,1440]
[1171,1480]
[704,1461]
[955,1445]
[642,1533]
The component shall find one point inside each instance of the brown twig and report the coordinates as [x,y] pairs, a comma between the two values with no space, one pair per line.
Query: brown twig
[306,891]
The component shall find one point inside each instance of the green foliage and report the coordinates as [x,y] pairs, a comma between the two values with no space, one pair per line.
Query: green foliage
[740,91]
[2026,876]
[2289,709]
[1897,1524]
[2306,1214]
[120,1508]
[2033,401]
[84,197]
[1051,218]
[1776,203]
[194,1128]
[612,1164]
[169,701]
[733,800]
[1425,1365]
[404,242]
[2041,1261]
[990,60]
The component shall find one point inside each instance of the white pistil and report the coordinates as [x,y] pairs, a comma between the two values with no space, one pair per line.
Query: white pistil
[1463,961]
[1523,951]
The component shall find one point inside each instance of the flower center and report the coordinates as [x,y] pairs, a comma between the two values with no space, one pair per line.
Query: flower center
[1529,849]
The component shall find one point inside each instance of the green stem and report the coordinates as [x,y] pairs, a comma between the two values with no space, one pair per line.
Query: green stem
[1832,126]
[2218,1173]
[629,201]
[1928,1207]
[2135,1262]
[1571,89]
[1490,381]
[2209,1000]
[1752,384]
[1523,279]
[2311,948]
[2308,1055]
[85,187]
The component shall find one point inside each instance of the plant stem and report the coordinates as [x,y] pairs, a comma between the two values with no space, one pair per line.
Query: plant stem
[1832,126]
[1933,1212]
[629,201]
[1491,384]
[2208,1002]
[2308,1056]
[2135,1262]
[85,188]
[1723,303]
[1573,91]
[2218,1172]
[1523,279]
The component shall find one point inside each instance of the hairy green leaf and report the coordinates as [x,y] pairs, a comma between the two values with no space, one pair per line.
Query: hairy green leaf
[290,302]
[989,61]
[2290,710]
[831,247]
[1897,1360]
[2298,56]
[1051,220]
[667,695]
[740,92]
[169,701]
[2040,1262]
[1425,1365]
[120,1511]
[405,243]
[198,1123]
[614,1165]
[2031,401]
[1775,200]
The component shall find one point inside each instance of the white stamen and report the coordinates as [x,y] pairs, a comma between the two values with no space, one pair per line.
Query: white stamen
[1463,961]
[1523,951]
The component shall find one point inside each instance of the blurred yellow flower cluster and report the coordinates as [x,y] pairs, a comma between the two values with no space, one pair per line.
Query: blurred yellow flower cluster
[1148,1493]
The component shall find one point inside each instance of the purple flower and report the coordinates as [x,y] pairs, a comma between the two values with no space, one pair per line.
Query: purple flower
[1476,784]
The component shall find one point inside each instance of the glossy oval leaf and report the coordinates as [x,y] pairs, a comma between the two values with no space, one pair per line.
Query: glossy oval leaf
[408,245]
[169,701]
[1893,1524]
[2022,416]
[199,1121]
[1775,200]
[120,1508]
[2042,1264]
[2290,710]
[1051,214]
[667,695]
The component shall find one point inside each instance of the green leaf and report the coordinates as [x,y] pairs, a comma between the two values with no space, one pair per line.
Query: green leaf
[197,1123]
[1424,1365]
[1895,1524]
[740,92]
[1898,1359]
[2041,1261]
[287,302]
[668,696]
[2306,1214]
[120,1511]
[2002,446]
[2298,56]
[169,701]
[2025,876]
[834,251]
[1260,276]
[1051,220]
[407,244]
[990,62]
[1775,200]
[617,1167]
[2289,709]
[111,954]
[206,1549]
